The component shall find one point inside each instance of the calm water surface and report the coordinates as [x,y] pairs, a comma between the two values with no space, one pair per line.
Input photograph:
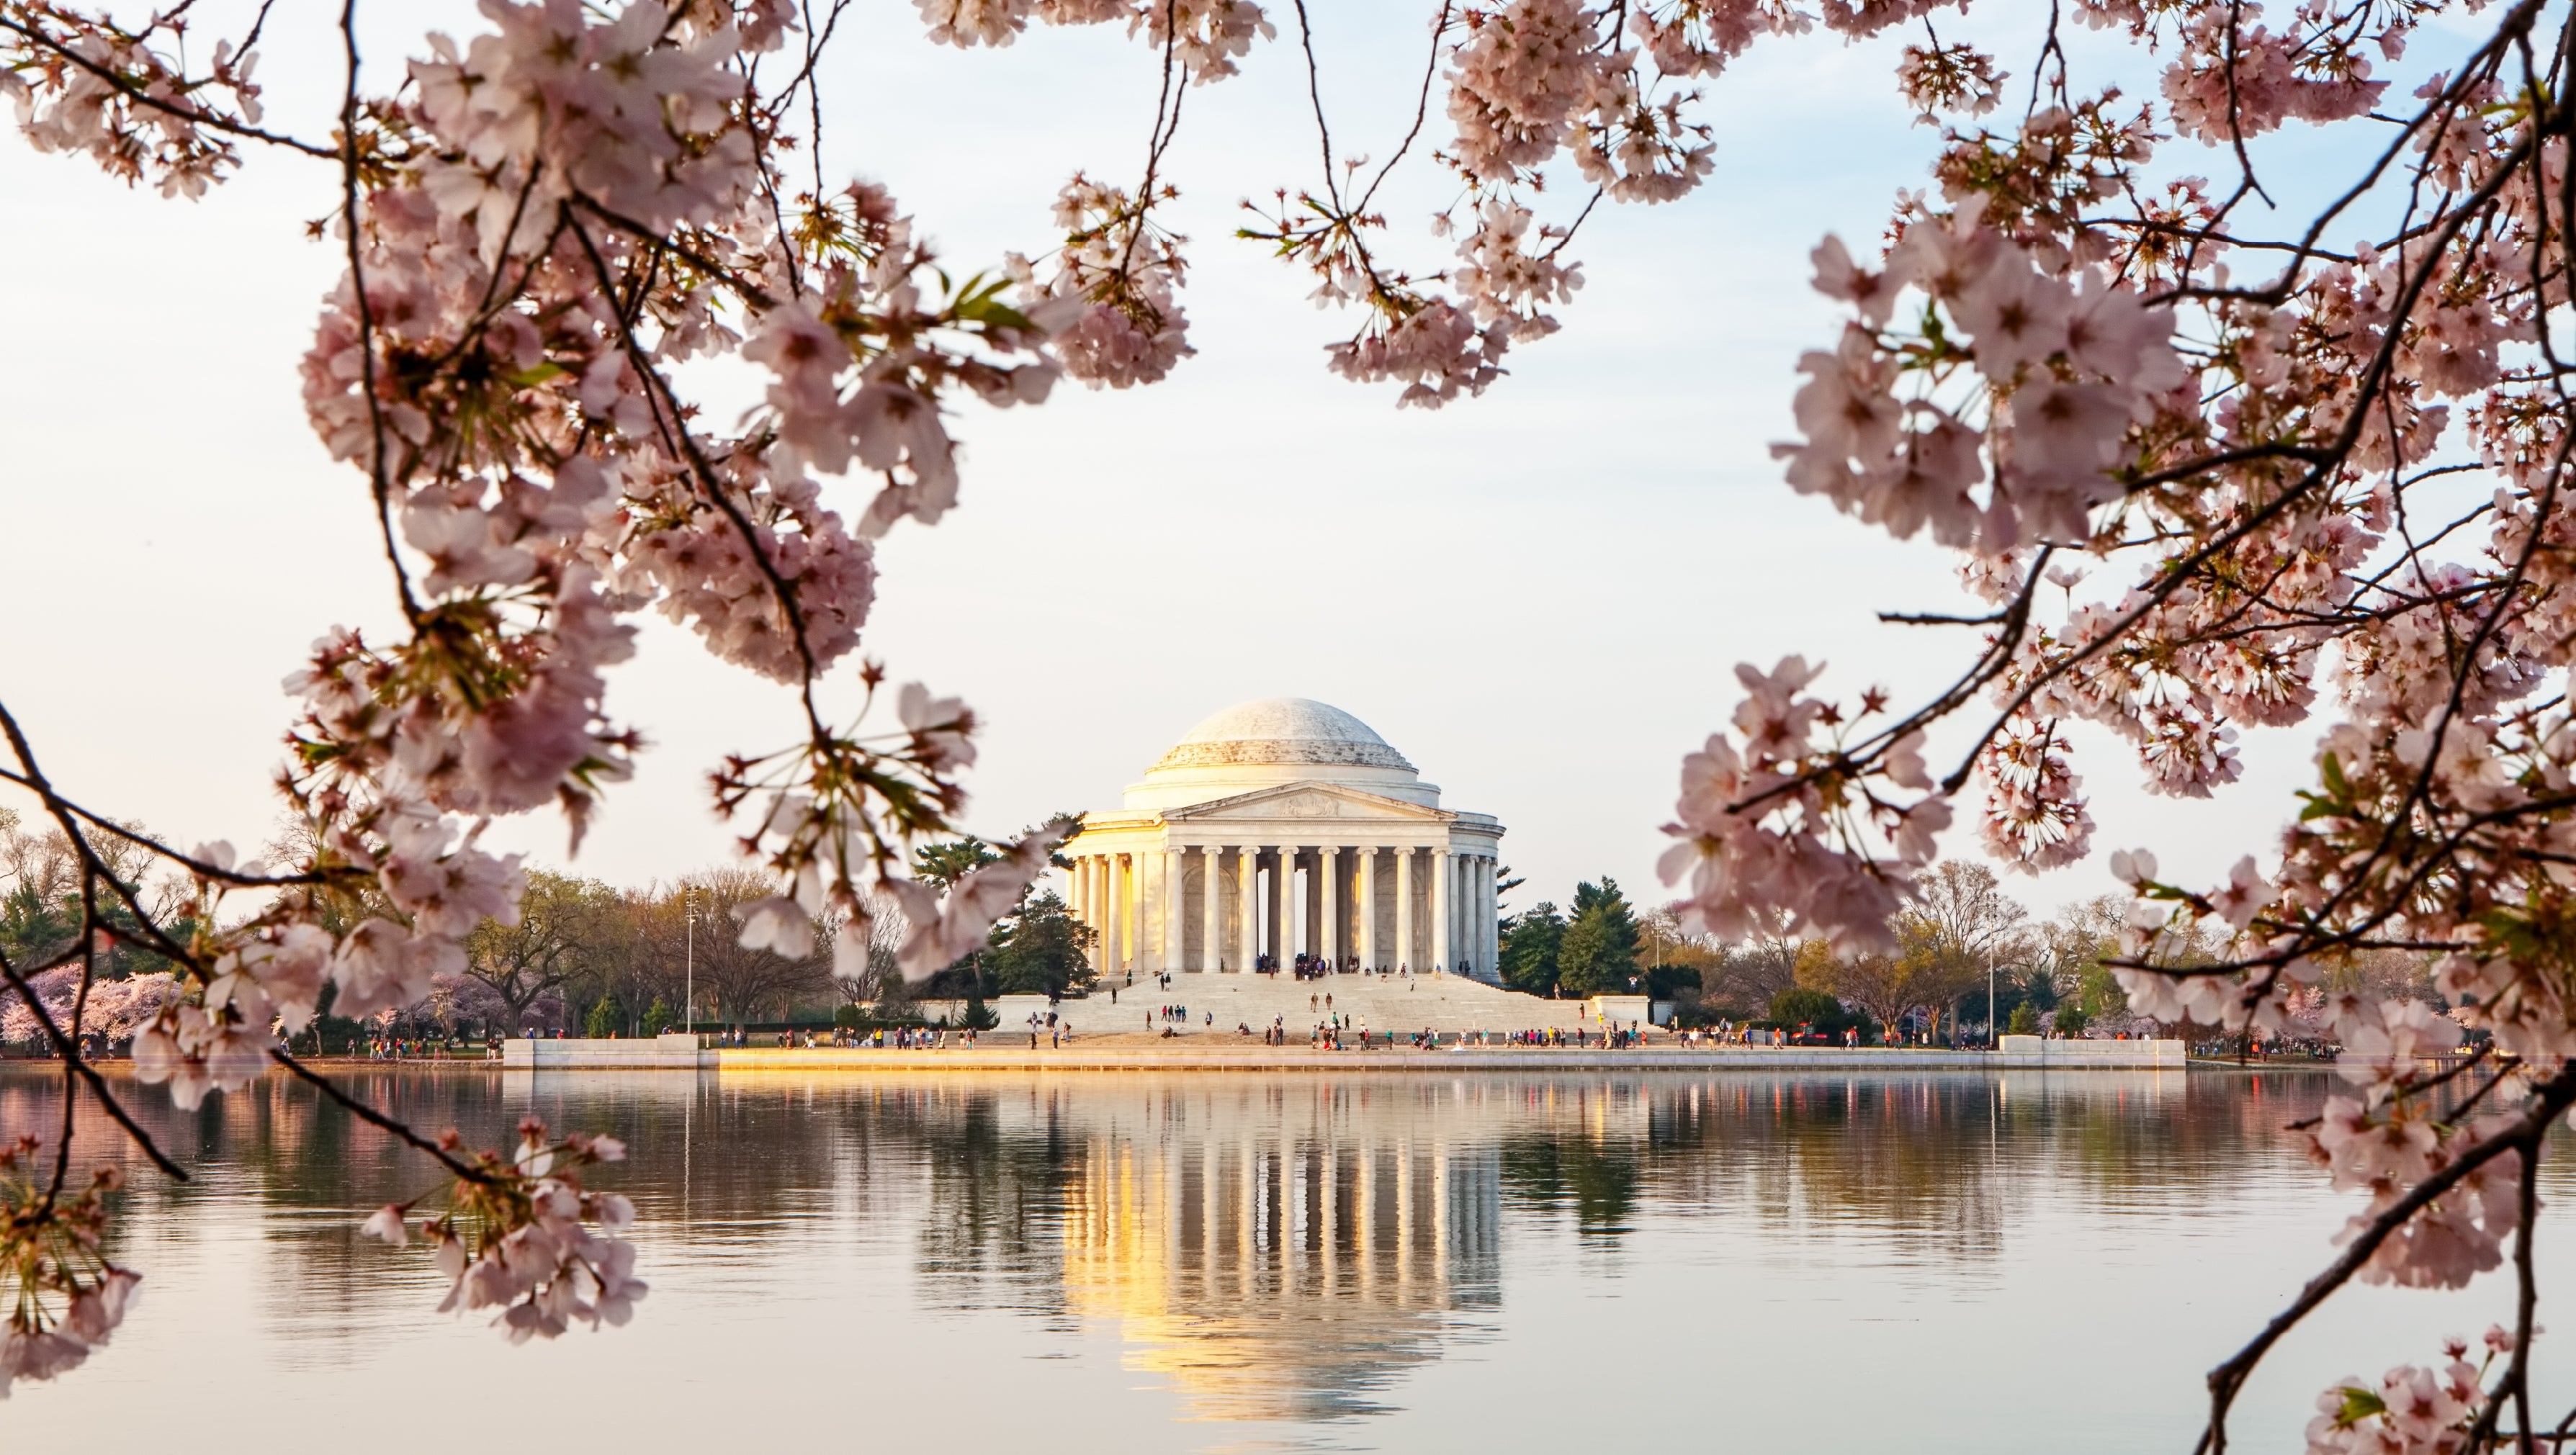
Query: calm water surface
[1206,1262]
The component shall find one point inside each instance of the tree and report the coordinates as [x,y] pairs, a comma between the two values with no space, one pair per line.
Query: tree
[657,1017]
[945,863]
[1041,949]
[604,1019]
[875,974]
[2024,1021]
[1529,943]
[568,928]
[1676,961]
[746,982]
[1801,1006]
[1959,928]
[1879,985]
[1749,974]
[1598,955]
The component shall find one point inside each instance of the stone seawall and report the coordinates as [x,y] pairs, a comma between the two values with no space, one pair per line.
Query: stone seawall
[998,1054]
[661,1053]
[1002,1051]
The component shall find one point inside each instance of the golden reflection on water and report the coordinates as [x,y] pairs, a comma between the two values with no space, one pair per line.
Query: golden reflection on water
[1281,1252]
[1283,1257]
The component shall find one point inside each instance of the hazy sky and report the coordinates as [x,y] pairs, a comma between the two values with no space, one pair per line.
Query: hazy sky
[1537,596]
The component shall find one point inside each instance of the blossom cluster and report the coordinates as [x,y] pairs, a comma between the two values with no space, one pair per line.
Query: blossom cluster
[571,204]
[114,1010]
[546,221]
[1113,297]
[2206,481]
[521,1236]
[125,98]
[1206,37]
[64,1297]
[1797,850]
[2412,1410]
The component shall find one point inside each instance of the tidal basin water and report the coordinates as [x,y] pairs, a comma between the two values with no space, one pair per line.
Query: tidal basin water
[1221,1262]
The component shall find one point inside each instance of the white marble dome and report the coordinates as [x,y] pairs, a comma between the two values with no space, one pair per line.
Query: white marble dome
[1272,740]
[1283,730]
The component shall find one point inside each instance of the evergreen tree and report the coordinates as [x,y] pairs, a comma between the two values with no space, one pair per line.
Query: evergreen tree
[1529,949]
[1598,955]
[657,1017]
[943,864]
[605,1017]
[1038,950]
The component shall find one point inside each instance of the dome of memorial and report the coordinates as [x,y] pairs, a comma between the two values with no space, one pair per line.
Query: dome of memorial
[1282,730]
[1275,740]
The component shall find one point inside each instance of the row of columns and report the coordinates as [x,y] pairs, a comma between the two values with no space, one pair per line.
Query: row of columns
[1141,906]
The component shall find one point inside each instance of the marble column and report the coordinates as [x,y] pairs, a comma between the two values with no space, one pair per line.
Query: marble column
[1168,914]
[1097,873]
[1082,910]
[1073,893]
[1328,863]
[1268,933]
[1485,918]
[1403,906]
[1113,927]
[1471,918]
[1284,918]
[1444,873]
[1276,902]
[1130,869]
[1310,908]
[1489,964]
[1368,908]
[1247,933]
[1292,905]
[1212,907]
[1142,868]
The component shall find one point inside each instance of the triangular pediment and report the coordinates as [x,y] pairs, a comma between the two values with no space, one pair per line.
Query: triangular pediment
[1310,800]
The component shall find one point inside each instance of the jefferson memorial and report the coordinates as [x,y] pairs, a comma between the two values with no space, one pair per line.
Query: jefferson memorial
[1285,827]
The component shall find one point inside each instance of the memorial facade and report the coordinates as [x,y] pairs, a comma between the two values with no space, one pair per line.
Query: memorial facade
[1280,828]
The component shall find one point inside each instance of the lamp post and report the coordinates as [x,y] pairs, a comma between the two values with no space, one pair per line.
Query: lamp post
[1994,1028]
[689,920]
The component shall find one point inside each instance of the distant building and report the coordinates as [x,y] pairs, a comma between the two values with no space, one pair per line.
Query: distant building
[1286,792]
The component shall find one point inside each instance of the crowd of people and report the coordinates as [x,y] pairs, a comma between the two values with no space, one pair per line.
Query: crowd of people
[1315,967]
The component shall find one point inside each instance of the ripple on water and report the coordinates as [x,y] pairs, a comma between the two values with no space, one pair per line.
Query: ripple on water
[1235,1263]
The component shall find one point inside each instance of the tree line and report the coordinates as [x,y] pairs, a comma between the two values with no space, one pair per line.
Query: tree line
[1968,958]
[588,957]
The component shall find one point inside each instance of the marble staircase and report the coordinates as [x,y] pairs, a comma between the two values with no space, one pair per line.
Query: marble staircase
[1388,1004]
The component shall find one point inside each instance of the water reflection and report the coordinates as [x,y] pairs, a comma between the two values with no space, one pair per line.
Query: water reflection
[1280,1256]
[1280,1253]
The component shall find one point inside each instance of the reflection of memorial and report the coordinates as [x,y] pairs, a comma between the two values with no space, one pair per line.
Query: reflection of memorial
[1281,1252]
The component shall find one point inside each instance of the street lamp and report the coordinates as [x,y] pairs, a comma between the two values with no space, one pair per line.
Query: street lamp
[689,919]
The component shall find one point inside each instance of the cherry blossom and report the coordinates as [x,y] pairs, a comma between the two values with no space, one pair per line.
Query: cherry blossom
[523,1237]
[66,1297]
[2412,1410]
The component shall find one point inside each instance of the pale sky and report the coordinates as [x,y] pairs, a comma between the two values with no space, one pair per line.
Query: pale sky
[1537,596]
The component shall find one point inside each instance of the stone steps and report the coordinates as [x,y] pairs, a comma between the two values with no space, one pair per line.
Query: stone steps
[1388,1004]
